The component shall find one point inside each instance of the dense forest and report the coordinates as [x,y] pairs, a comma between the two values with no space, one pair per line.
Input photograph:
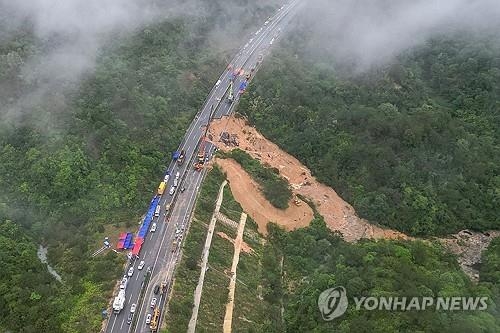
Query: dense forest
[88,157]
[315,259]
[413,144]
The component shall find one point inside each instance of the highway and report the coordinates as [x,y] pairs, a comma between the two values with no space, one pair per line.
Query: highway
[158,251]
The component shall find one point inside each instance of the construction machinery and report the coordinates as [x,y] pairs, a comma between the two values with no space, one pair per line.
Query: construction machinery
[154,321]
[296,201]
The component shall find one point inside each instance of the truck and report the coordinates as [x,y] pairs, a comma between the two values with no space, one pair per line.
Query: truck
[163,288]
[119,302]
[161,188]
[230,98]
[154,321]
[200,158]
[180,159]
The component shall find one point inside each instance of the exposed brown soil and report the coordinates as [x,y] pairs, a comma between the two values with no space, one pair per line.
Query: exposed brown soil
[246,191]
[338,214]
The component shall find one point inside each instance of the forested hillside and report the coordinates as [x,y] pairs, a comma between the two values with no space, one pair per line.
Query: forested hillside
[88,154]
[413,144]
[315,259]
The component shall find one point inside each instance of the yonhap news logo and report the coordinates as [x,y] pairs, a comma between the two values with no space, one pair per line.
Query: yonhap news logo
[333,303]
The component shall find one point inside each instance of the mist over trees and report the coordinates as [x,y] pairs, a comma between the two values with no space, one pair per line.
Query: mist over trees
[81,154]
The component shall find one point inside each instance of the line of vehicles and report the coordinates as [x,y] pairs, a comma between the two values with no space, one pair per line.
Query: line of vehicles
[120,299]
[152,316]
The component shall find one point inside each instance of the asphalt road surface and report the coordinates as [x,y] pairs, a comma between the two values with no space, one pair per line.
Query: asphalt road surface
[158,251]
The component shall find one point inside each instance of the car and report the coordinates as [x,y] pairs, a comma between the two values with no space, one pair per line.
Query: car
[166,178]
[133,307]
[183,189]
[153,227]
[156,289]
[157,211]
[123,283]
[217,83]
[167,207]
[153,302]
[130,271]
[177,175]
[148,318]
[176,182]
[129,319]
[141,265]
[172,190]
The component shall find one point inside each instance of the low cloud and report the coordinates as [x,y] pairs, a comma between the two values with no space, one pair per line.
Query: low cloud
[371,32]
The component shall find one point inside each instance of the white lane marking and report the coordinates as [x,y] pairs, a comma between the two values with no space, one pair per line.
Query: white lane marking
[224,75]
[114,321]
[144,305]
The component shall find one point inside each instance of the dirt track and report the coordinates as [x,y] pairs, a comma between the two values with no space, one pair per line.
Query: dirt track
[338,214]
[246,192]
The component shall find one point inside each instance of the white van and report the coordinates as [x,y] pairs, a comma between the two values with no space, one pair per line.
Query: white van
[175,182]
[157,211]
[172,190]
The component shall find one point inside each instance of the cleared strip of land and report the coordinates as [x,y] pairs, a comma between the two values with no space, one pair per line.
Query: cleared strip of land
[228,318]
[206,250]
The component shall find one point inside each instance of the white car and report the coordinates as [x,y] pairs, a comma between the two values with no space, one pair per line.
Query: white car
[166,178]
[218,82]
[130,271]
[176,182]
[177,175]
[123,284]
[153,302]
[172,190]
[167,207]
[148,319]
[133,307]
[153,227]
[141,265]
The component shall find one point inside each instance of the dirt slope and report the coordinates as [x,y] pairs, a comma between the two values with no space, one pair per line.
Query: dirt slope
[338,214]
[246,191]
